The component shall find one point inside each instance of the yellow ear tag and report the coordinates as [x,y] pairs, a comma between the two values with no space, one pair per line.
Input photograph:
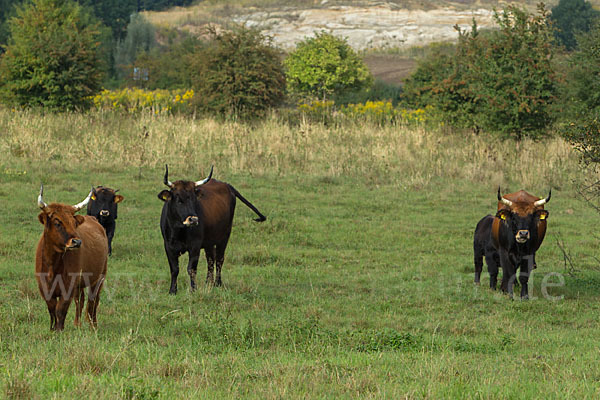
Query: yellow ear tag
[542,216]
[93,197]
[502,216]
[165,197]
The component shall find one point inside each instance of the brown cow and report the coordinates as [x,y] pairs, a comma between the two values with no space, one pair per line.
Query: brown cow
[71,256]
[518,230]
[198,215]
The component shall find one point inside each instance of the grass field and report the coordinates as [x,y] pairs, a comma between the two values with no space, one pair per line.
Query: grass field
[358,285]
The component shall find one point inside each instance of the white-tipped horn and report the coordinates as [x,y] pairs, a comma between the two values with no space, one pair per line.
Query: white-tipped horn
[84,203]
[504,201]
[202,182]
[166,180]
[41,203]
[543,201]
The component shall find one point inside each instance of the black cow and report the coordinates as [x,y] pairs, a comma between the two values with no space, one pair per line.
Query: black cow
[103,206]
[518,230]
[483,247]
[198,215]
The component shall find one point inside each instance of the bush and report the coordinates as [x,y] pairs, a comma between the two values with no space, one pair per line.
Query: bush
[501,81]
[324,66]
[239,74]
[571,17]
[139,100]
[53,57]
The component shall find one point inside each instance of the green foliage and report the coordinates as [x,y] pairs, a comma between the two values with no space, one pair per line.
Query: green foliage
[53,58]
[571,17]
[378,91]
[580,91]
[325,65]
[238,73]
[499,81]
[170,67]
[140,38]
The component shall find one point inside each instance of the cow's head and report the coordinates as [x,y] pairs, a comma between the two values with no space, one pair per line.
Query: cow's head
[182,198]
[60,221]
[522,214]
[103,203]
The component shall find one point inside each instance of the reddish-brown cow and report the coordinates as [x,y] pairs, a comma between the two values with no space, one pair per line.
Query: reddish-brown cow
[517,233]
[71,256]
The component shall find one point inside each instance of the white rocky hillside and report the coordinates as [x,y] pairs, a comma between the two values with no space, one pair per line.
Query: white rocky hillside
[380,25]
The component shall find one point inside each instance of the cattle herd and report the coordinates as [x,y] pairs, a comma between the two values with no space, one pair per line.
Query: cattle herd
[72,253]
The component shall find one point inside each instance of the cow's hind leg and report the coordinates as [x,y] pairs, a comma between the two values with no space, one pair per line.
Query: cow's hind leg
[493,262]
[193,267]
[79,301]
[93,300]
[478,261]
[220,259]
[210,252]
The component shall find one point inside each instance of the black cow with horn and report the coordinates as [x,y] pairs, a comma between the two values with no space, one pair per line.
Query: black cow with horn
[198,215]
[103,206]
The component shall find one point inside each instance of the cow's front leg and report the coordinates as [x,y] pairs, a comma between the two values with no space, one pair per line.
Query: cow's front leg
[526,267]
[62,307]
[193,267]
[508,273]
[174,266]
[51,303]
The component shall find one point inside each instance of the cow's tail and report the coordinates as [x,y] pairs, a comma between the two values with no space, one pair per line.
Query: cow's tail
[261,217]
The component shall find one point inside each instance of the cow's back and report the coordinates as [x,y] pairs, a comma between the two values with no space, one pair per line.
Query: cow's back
[218,206]
[93,254]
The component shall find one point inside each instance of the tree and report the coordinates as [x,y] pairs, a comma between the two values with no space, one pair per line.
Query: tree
[571,17]
[140,38]
[53,57]
[500,81]
[238,73]
[325,65]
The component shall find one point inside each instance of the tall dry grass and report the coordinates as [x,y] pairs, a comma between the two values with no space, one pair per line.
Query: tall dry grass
[408,156]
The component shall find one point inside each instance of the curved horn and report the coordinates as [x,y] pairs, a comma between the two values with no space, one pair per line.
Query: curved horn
[202,182]
[41,203]
[504,201]
[79,206]
[543,201]
[167,181]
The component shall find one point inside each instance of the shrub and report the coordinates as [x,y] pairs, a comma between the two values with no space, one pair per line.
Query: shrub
[502,81]
[139,100]
[53,58]
[571,17]
[325,65]
[239,73]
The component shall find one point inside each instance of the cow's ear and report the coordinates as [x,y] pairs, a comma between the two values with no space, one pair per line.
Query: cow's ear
[79,219]
[42,218]
[542,214]
[118,198]
[165,195]
[503,214]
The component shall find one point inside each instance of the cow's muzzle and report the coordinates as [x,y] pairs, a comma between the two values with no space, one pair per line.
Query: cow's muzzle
[73,244]
[104,213]
[191,221]
[522,236]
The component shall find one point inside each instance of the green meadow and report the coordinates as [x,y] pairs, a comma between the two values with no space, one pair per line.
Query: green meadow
[358,285]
